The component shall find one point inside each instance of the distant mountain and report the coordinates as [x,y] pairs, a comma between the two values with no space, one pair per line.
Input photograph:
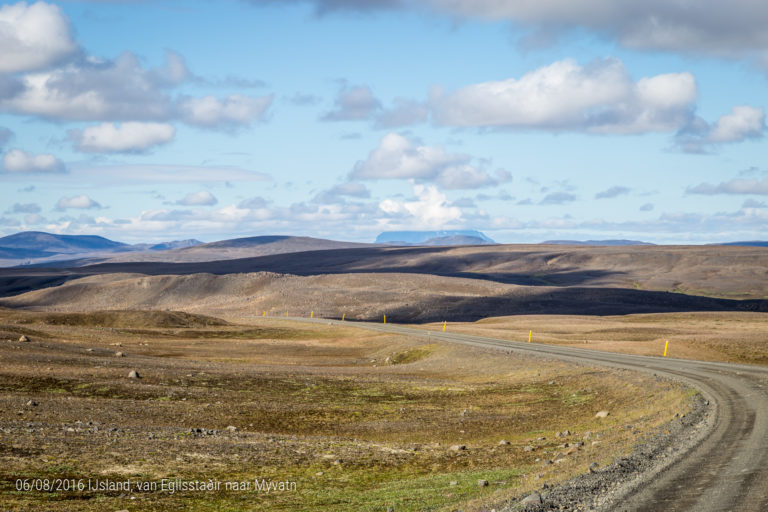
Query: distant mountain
[249,247]
[754,243]
[446,237]
[61,244]
[595,242]
[36,247]
[176,244]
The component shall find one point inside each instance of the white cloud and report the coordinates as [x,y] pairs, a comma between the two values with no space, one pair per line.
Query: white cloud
[234,110]
[430,209]
[735,187]
[80,202]
[17,160]
[397,157]
[598,98]
[202,198]
[33,37]
[121,89]
[353,104]
[129,137]
[744,122]
[405,112]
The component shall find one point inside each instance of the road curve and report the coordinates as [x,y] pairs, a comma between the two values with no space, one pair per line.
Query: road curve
[726,470]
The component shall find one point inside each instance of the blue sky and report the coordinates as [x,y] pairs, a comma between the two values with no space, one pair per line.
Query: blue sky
[588,119]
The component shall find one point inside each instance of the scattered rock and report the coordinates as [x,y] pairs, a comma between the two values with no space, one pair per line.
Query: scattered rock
[528,448]
[32,403]
[482,483]
[89,350]
[119,354]
[458,447]
[133,374]
[453,483]
[564,434]
[504,442]
[23,338]
[320,473]
[532,499]
[602,414]
[232,428]
[593,467]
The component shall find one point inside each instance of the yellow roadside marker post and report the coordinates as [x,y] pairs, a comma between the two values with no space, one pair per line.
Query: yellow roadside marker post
[342,316]
[530,333]
[445,324]
[385,318]
[311,314]
[286,314]
[666,346]
[265,314]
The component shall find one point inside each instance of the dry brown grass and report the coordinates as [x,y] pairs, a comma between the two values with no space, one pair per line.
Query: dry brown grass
[317,404]
[730,337]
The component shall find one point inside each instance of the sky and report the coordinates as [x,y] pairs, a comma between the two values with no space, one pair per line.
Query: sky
[529,121]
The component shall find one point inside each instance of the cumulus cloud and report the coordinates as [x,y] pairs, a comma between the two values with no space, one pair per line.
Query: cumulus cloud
[82,202]
[647,207]
[122,89]
[202,198]
[612,192]
[734,187]
[600,97]
[20,161]
[119,89]
[353,104]
[33,37]
[430,209]
[405,112]
[397,157]
[129,137]
[744,122]
[234,110]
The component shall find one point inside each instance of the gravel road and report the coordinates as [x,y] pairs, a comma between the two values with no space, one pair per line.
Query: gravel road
[720,464]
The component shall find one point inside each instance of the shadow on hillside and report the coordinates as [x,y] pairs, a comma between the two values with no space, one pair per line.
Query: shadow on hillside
[565,301]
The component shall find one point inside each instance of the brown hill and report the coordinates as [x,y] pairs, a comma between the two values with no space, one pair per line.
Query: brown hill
[417,284]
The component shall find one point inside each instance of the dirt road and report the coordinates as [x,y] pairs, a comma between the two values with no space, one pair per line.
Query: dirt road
[727,469]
